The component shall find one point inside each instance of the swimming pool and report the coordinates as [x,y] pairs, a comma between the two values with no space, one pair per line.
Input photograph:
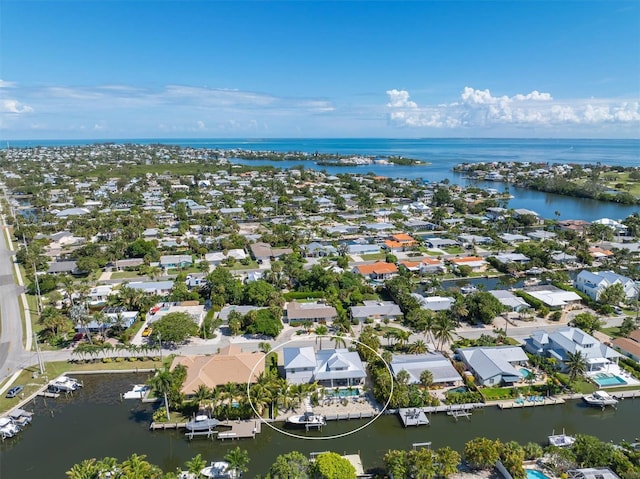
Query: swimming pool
[526,373]
[344,393]
[535,474]
[607,379]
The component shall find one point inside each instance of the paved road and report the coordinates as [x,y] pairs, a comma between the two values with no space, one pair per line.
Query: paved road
[13,356]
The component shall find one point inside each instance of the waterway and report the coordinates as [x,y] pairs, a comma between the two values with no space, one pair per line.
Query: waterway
[96,423]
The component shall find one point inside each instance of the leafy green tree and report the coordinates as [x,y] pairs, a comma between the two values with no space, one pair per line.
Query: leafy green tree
[483,307]
[86,469]
[587,322]
[446,461]
[330,465]
[136,467]
[265,323]
[370,344]
[512,457]
[196,464]
[482,453]
[258,292]
[613,294]
[289,466]
[627,326]
[175,327]
[395,463]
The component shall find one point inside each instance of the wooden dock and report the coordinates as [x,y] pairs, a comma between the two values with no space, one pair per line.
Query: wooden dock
[167,425]
[460,413]
[548,401]
[351,415]
[413,417]
[240,429]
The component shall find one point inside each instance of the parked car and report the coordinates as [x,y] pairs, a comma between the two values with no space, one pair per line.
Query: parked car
[147,331]
[14,391]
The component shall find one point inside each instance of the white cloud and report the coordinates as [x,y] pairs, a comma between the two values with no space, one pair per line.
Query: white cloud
[6,84]
[481,109]
[14,106]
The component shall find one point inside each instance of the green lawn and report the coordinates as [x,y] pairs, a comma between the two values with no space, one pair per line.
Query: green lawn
[240,266]
[453,250]
[125,275]
[631,186]
[373,256]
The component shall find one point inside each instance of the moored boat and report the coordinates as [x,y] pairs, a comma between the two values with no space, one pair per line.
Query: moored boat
[202,422]
[65,384]
[8,428]
[599,399]
[307,419]
[561,440]
[217,470]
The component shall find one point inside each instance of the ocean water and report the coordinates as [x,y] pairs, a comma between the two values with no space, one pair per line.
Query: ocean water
[440,155]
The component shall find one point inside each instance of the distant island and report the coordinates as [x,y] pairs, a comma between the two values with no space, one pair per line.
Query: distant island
[618,184]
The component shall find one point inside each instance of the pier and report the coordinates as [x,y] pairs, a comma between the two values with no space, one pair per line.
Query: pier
[413,417]
[240,429]
[460,413]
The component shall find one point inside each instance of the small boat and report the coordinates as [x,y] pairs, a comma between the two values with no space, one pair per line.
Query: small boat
[307,419]
[532,282]
[468,288]
[65,384]
[534,271]
[599,399]
[8,428]
[217,470]
[20,417]
[561,440]
[202,422]
[138,392]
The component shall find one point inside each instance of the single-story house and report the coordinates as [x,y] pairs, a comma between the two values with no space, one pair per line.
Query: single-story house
[376,310]
[379,270]
[506,258]
[493,366]
[161,288]
[434,303]
[359,249]
[552,296]
[63,267]
[440,242]
[315,312]
[174,261]
[230,365]
[628,347]
[442,370]
[510,300]
[476,263]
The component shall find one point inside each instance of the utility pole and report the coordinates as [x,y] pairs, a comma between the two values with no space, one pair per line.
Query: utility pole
[40,361]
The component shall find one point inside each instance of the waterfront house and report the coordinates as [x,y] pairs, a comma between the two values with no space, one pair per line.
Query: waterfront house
[509,300]
[315,312]
[431,266]
[559,343]
[327,367]
[378,271]
[442,371]
[476,263]
[506,258]
[553,297]
[494,366]
[594,283]
[376,310]
[592,473]
[299,364]
[230,365]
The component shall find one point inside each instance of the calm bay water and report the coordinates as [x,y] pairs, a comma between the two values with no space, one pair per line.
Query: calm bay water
[442,155]
[95,423]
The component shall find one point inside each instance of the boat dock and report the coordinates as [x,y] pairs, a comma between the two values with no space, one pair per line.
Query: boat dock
[240,429]
[351,415]
[540,401]
[413,417]
[460,413]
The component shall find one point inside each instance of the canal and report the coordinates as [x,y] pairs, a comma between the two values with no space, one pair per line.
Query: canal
[96,423]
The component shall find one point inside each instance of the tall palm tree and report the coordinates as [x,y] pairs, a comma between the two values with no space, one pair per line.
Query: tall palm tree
[419,347]
[443,330]
[162,383]
[86,469]
[238,460]
[576,365]
[339,340]
[136,467]
[195,465]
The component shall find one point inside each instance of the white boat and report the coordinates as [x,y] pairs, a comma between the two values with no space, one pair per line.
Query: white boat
[600,399]
[217,470]
[532,282]
[8,428]
[138,392]
[468,288]
[561,440]
[65,384]
[307,419]
[202,422]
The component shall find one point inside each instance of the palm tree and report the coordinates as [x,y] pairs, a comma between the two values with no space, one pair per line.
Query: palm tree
[86,469]
[426,379]
[136,467]
[238,460]
[443,330]
[261,397]
[201,394]
[195,465]
[419,347]
[576,365]
[339,340]
[162,383]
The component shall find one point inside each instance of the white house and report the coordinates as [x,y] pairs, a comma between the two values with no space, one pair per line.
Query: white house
[593,283]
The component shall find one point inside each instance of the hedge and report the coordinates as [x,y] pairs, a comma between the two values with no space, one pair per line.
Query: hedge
[303,295]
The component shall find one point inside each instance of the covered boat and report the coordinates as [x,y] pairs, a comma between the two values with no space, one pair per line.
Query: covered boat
[201,422]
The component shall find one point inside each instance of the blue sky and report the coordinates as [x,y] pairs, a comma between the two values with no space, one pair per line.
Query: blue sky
[229,69]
